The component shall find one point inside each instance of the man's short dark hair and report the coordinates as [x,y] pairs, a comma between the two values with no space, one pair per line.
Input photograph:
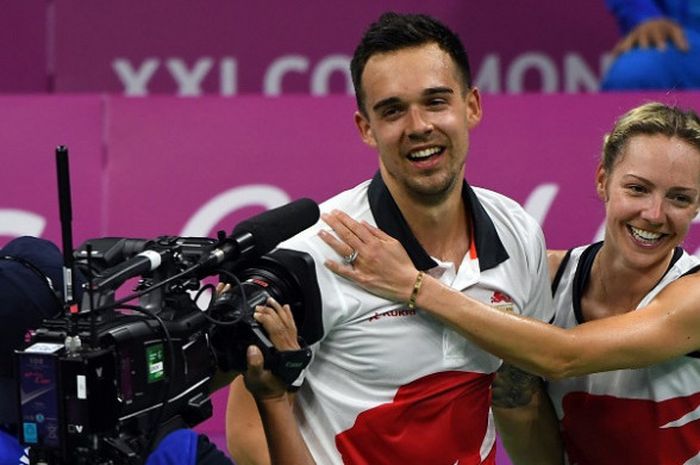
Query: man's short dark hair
[393,31]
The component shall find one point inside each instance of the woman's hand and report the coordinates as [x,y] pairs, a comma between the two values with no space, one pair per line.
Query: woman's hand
[381,265]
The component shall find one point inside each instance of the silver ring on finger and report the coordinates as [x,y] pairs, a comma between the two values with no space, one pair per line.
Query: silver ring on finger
[350,258]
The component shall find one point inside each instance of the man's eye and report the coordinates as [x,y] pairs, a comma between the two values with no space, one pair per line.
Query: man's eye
[391,111]
[636,188]
[437,102]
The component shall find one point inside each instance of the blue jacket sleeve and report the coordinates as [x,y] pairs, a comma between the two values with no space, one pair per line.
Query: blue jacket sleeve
[629,13]
[186,447]
[11,452]
[177,448]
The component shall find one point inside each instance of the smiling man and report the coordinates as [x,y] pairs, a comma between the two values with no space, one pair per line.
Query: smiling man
[390,384]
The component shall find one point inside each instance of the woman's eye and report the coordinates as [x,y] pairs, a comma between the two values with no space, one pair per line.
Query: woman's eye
[682,199]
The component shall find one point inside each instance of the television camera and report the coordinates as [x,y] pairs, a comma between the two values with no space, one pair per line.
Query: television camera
[102,383]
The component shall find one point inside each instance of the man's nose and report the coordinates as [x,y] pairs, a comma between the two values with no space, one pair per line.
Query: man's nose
[419,124]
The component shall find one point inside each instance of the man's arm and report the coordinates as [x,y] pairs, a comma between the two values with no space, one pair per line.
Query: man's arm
[525,418]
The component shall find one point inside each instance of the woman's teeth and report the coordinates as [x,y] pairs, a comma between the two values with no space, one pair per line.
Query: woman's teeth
[645,236]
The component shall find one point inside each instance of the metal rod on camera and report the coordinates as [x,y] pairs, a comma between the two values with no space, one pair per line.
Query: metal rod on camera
[91,297]
[72,342]
[66,216]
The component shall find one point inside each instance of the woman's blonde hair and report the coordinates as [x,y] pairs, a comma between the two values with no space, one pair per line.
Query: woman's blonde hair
[650,119]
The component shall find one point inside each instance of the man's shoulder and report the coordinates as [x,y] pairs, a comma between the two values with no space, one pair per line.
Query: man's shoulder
[352,201]
[502,209]
[348,200]
[519,232]
[497,199]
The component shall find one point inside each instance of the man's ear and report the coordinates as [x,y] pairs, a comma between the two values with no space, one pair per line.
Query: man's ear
[363,126]
[473,107]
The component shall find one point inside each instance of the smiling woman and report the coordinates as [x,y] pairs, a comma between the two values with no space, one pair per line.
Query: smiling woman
[628,306]
[651,197]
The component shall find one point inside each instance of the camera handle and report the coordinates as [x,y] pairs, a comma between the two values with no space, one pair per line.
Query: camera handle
[287,365]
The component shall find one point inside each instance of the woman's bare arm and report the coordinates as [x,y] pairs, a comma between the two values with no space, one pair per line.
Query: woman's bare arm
[668,327]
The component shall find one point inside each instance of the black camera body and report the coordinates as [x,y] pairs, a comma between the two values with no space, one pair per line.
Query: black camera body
[102,384]
[287,276]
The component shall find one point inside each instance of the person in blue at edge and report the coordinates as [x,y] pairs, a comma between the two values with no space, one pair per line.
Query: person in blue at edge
[30,284]
[660,49]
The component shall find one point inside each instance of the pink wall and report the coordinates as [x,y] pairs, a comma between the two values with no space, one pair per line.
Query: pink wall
[226,47]
[145,167]
[24,35]
[30,130]
[163,165]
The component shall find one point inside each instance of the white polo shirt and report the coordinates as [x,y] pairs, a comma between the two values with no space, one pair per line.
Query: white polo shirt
[390,385]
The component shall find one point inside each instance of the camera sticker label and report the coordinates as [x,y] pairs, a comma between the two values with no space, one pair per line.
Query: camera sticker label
[154,361]
[44,348]
[30,433]
[81,386]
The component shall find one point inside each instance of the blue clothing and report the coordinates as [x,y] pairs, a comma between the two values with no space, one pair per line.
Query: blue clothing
[631,13]
[177,448]
[11,451]
[652,69]
[181,447]
[185,447]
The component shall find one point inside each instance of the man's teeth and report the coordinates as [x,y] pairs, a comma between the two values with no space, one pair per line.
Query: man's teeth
[645,235]
[425,153]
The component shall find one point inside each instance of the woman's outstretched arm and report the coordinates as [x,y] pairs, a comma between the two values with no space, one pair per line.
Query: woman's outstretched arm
[668,327]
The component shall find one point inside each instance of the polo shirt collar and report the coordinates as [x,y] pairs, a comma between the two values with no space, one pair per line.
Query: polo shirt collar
[389,219]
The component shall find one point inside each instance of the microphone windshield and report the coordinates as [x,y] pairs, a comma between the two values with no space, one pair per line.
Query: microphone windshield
[279,224]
